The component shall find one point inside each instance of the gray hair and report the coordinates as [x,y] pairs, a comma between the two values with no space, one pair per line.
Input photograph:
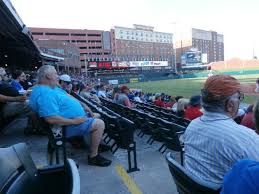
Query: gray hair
[43,71]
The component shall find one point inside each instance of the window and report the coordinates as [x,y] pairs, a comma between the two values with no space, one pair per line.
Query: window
[57,34]
[94,35]
[78,34]
[37,33]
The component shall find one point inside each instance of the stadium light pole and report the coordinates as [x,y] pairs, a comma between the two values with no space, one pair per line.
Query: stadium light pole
[174,45]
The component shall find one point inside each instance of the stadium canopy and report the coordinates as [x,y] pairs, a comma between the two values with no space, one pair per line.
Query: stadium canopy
[17,48]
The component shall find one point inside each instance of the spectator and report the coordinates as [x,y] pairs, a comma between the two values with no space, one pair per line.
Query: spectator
[248,119]
[123,97]
[137,98]
[257,85]
[215,142]
[18,77]
[101,91]
[11,103]
[181,107]
[256,116]
[26,83]
[115,94]
[158,101]
[193,110]
[64,82]
[174,108]
[59,108]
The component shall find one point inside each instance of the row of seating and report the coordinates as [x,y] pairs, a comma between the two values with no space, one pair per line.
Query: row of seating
[157,128]
[117,128]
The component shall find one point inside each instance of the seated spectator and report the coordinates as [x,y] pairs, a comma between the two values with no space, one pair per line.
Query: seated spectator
[248,119]
[240,115]
[18,77]
[88,94]
[26,83]
[11,103]
[101,91]
[169,105]
[215,142]
[243,178]
[123,97]
[59,108]
[137,98]
[174,108]
[181,107]
[256,116]
[131,95]
[194,109]
[64,82]
[115,94]
[158,101]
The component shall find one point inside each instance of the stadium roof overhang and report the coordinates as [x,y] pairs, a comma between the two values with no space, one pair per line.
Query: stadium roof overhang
[16,43]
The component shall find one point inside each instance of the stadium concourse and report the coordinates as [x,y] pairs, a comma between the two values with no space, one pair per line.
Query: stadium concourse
[82,135]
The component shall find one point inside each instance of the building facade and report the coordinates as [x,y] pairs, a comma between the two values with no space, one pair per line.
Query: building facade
[92,44]
[62,49]
[208,42]
[141,43]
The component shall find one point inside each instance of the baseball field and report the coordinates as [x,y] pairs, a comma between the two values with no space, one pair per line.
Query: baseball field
[191,86]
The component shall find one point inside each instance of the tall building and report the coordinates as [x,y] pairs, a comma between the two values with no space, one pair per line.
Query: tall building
[141,43]
[209,43]
[93,44]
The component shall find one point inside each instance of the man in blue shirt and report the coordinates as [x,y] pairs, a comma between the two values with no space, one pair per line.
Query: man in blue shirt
[57,107]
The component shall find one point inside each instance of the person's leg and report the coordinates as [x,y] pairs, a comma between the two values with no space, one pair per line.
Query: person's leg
[96,136]
[97,130]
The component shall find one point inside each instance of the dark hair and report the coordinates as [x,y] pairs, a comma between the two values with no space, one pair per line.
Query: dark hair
[16,74]
[178,97]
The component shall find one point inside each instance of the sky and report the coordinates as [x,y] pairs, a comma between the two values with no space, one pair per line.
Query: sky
[237,20]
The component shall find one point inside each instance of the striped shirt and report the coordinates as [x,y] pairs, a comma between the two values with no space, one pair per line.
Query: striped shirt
[214,142]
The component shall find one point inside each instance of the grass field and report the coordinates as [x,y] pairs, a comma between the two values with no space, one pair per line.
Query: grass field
[188,87]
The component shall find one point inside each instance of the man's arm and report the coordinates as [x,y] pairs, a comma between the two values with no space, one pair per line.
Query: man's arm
[63,121]
[4,98]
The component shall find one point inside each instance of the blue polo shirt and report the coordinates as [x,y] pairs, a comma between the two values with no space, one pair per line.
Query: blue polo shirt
[47,101]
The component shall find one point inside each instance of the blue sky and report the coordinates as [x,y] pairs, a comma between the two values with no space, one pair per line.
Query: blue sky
[236,19]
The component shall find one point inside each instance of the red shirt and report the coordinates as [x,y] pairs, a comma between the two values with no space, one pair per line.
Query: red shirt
[248,121]
[169,104]
[159,103]
[192,112]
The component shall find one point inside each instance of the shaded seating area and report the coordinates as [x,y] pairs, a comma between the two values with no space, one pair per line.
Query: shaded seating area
[19,175]
[186,183]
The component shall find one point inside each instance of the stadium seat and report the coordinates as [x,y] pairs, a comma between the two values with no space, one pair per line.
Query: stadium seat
[19,175]
[186,183]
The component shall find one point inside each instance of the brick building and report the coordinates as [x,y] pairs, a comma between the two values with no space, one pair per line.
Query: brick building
[62,49]
[92,44]
[208,42]
[141,43]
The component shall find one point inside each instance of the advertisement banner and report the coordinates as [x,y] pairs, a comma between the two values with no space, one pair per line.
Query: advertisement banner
[148,63]
[133,80]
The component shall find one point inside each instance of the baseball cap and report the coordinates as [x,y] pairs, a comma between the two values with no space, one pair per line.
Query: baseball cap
[124,88]
[65,78]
